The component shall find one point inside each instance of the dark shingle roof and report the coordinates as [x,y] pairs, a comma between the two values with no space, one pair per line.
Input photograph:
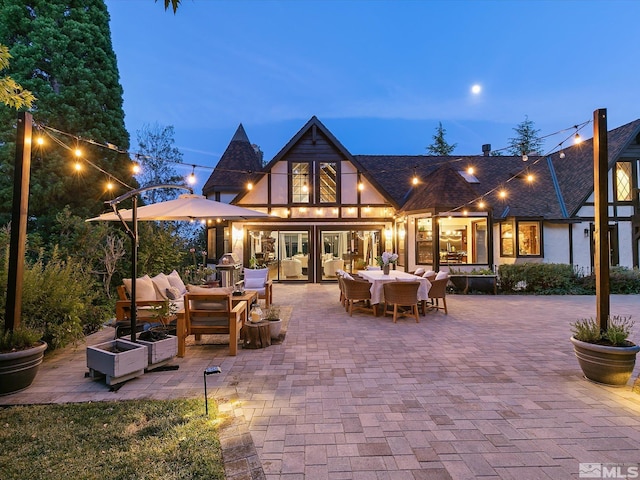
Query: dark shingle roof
[236,166]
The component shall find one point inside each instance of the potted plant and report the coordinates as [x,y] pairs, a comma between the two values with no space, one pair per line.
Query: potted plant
[161,339]
[385,261]
[21,353]
[272,314]
[607,356]
[481,279]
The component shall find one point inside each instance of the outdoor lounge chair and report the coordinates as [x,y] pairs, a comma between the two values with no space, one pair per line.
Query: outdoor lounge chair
[401,294]
[258,280]
[211,314]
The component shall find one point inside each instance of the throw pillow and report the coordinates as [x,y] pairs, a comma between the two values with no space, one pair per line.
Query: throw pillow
[145,291]
[419,271]
[176,281]
[161,283]
[429,273]
[173,293]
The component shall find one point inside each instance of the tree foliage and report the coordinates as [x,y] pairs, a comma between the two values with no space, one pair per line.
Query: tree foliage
[11,93]
[174,4]
[62,53]
[526,140]
[157,156]
[440,146]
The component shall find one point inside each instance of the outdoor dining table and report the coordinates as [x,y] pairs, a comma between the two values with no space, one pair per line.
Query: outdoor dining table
[377,278]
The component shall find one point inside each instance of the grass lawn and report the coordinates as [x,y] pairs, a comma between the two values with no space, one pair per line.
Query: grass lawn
[141,439]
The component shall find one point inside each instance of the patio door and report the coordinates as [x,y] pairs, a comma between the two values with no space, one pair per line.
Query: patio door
[349,250]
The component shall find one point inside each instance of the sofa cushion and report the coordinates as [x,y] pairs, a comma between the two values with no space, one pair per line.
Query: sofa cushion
[176,281]
[145,291]
[162,284]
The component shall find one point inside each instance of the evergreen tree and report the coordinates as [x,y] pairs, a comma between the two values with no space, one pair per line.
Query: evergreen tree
[440,145]
[527,139]
[157,155]
[62,53]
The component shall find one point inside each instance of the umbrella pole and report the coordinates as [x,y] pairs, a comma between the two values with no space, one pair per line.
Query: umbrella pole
[134,268]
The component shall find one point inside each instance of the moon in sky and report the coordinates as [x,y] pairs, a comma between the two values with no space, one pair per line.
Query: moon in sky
[476,89]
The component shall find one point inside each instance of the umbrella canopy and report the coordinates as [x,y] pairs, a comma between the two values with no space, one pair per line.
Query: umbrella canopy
[185,207]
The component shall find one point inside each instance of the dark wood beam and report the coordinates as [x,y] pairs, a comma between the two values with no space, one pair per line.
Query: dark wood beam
[601,198]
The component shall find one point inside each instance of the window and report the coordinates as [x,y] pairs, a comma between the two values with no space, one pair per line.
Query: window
[300,183]
[529,238]
[623,182]
[463,240]
[424,241]
[328,183]
[506,240]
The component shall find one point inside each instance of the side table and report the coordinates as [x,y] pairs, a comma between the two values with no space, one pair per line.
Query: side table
[256,335]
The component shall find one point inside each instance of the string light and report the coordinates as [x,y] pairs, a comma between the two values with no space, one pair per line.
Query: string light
[530,178]
[249,186]
[502,193]
[78,166]
[577,139]
[470,170]
[360,185]
[135,168]
[191,179]
[415,176]
[481,204]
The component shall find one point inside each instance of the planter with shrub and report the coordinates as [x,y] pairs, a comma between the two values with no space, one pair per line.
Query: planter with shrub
[605,357]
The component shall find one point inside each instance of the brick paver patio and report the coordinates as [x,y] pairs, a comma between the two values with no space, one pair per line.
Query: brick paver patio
[492,390]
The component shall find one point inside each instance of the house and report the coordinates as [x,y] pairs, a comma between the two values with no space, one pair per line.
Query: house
[332,209]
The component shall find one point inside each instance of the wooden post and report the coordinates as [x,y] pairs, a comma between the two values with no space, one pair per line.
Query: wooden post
[20,209]
[601,215]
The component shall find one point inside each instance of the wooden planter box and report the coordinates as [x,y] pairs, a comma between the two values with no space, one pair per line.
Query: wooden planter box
[119,360]
[160,351]
[479,283]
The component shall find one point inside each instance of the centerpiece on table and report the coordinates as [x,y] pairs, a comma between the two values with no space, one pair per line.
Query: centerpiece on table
[385,261]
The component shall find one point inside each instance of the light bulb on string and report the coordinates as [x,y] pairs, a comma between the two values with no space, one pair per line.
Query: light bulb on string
[529,177]
[191,179]
[77,166]
[577,139]
[135,168]
[525,157]
[77,152]
[481,204]
[470,170]
[109,185]
[502,193]
[249,186]
[360,186]
[415,179]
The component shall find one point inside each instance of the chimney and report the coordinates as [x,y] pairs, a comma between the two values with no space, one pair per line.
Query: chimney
[486,149]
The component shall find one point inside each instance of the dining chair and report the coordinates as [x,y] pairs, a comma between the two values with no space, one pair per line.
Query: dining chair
[357,295]
[437,292]
[401,294]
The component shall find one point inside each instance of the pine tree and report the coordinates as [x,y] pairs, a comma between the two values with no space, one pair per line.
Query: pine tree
[440,145]
[527,140]
[62,53]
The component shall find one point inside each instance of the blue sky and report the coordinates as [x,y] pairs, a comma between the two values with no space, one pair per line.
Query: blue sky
[379,74]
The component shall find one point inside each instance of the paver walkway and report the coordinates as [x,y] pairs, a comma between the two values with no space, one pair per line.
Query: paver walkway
[492,390]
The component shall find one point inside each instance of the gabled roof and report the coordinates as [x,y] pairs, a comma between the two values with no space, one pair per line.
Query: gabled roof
[442,190]
[575,171]
[235,166]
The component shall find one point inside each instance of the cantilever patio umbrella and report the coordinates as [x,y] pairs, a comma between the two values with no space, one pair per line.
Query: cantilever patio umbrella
[185,207]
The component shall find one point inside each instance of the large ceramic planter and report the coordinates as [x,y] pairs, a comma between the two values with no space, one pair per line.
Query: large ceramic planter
[119,360]
[274,328]
[19,369]
[605,364]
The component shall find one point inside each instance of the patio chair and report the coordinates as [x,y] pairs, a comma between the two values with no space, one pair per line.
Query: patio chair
[357,295]
[437,292]
[209,314]
[258,280]
[401,294]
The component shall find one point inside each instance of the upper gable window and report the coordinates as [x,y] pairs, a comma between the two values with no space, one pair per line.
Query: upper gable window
[300,187]
[623,182]
[328,182]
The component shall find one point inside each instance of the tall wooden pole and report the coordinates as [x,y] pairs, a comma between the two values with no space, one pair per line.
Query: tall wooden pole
[601,199]
[19,211]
